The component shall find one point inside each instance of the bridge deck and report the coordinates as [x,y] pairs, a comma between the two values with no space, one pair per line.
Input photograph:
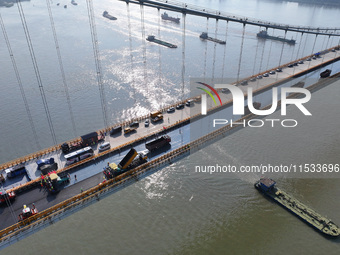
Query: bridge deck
[90,175]
[177,116]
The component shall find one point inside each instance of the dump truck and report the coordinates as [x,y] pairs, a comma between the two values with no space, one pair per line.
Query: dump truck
[158,143]
[130,161]
[156,116]
[47,165]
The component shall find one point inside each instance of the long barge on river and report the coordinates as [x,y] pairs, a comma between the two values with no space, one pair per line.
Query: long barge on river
[314,219]
[264,35]
[205,36]
[152,38]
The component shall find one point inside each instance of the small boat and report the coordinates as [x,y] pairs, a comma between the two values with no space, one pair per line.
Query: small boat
[325,73]
[108,16]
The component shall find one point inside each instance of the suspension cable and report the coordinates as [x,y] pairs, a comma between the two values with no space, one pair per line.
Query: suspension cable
[183,54]
[8,203]
[323,57]
[20,83]
[257,47]
[36,69]
[283,45]
[224,51]
[240,60]
[61,66]
[206,52]
[292,56]
[97,60]
[214,57]
[144,46]
[159,49]
[131,55]
[264,44]
[298,51]
[270,50]
[316,36]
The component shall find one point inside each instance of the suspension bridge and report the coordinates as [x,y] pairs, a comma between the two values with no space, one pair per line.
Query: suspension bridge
[177,124]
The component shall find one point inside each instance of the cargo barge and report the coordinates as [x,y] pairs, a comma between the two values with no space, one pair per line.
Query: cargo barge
[314,219]
[263,34]
[165,16]
[205,36]
[108,16]
[152,38]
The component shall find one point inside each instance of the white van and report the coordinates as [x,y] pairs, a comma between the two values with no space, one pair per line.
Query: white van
[105,146]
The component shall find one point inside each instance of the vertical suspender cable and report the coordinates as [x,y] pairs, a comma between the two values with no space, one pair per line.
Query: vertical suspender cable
[240,60]
[159,49]
[316,36]
[298,51]
[260,67]
[214,57]
[270,51]
[257,47]
[144,46]
[9,205]
[304,46]
[183,54]
[224,51]
[205,53]
[323,43]
[20,83]
[36,70]
[61,66]
[323,58]
[131,55]
[292,56]
[97,60]
[283,45]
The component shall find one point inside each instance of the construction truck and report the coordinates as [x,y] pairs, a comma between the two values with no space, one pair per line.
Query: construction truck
[47,165]
[27,212]
[158,143]
[6,197]
[54,182]
[156,116]
[130,161]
